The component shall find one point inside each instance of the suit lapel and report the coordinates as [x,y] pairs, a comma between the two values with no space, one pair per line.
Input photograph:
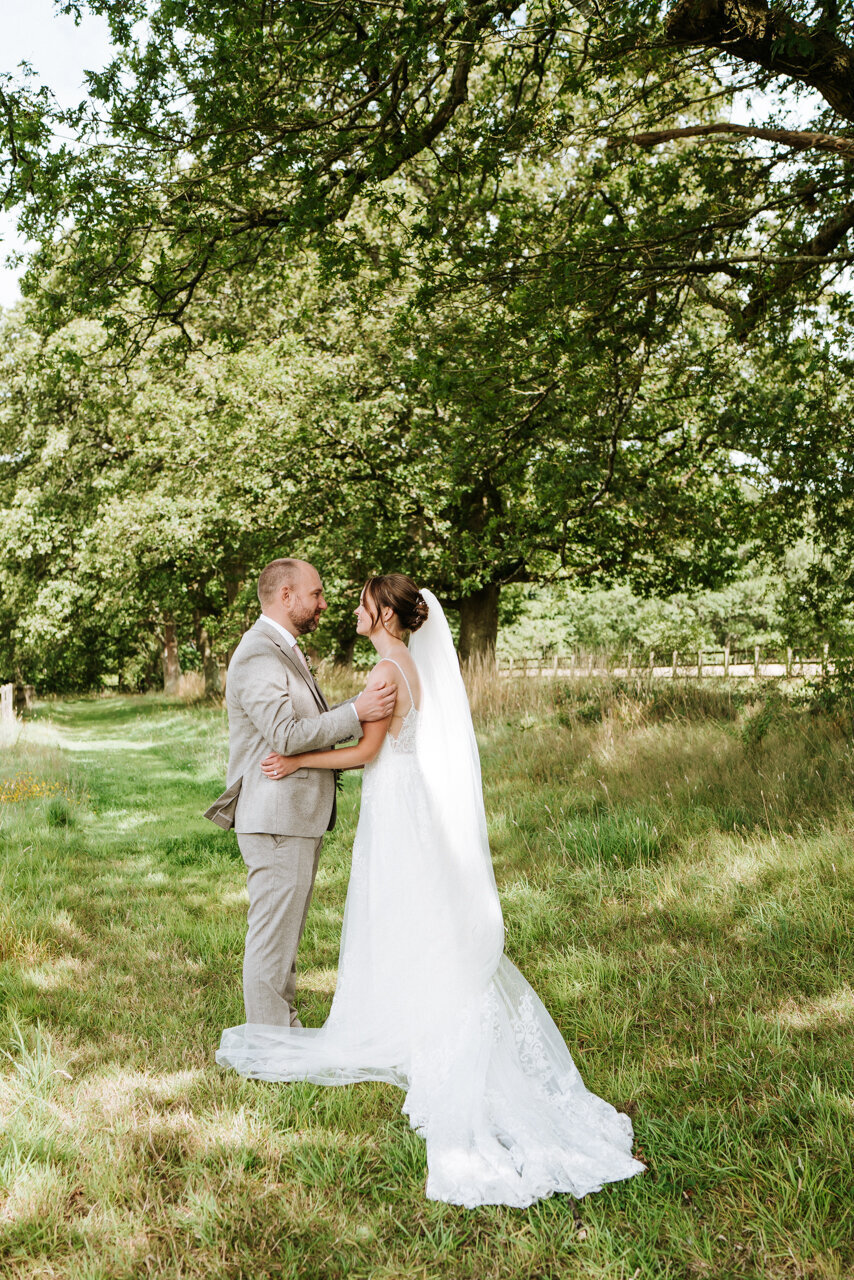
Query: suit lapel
[293,663]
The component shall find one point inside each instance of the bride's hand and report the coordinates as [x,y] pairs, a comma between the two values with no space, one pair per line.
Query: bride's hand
[276,766]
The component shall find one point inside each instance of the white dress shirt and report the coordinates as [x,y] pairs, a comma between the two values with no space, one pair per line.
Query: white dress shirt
[291,640]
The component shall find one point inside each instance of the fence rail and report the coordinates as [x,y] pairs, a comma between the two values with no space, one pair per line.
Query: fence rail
[750,664]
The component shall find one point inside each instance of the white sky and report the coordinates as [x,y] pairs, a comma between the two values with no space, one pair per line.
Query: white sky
[59,52]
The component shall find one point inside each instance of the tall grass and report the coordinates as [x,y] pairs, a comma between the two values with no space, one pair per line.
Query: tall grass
[677,875]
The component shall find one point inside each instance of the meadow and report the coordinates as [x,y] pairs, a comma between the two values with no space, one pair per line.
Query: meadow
[677,873]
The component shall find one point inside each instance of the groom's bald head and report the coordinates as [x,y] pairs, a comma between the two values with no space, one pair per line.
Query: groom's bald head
[285,572]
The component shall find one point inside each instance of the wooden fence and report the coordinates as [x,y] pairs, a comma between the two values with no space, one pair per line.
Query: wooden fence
[15,698]
[751,664]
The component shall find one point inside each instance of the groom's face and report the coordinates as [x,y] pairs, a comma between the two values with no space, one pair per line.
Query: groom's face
[306,602]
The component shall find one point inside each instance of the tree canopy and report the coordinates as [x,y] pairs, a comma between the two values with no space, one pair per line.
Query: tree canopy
[492,293]
[221,136]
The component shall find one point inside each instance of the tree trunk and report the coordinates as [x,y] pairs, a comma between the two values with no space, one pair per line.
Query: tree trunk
[213,684]
[479,624]
[169,658]
[234,578]
[344,650]
[210,662]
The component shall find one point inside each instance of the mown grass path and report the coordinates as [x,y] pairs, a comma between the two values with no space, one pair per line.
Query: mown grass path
[679,889]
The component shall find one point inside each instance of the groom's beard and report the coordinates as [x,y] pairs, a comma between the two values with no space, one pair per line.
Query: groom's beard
[305,622]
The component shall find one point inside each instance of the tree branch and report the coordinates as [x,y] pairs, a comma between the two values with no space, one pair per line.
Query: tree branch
[814,254]
[797,139]
[753,32]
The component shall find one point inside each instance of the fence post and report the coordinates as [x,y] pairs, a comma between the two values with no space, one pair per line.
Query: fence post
[7,706]
[651,661]
[788,662]
[824,658]
[628,664]
[756,661]
[699,663]
[554,666]
[673,664]
[726,659]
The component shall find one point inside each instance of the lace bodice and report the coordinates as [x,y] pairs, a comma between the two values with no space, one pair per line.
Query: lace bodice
[404,743]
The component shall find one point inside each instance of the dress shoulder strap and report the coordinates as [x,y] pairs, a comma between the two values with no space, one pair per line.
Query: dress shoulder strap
[403,673]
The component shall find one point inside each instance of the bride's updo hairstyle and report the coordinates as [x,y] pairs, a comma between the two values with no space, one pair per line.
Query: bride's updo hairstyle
[398,592]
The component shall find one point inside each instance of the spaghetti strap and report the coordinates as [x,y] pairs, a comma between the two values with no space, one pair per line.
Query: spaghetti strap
[403,673]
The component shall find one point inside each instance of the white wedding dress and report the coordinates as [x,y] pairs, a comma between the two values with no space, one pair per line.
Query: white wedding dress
[426,1000]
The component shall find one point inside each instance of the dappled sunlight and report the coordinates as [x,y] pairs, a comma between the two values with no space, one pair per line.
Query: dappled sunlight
[321,981]
[52,976]
[123,820]
[832,1011]
[234,898]
[522,892]
[579,972]
[38,1191]
[88,743]
[123,1093]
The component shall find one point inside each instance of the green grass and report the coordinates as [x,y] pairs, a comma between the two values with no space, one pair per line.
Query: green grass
[678,887]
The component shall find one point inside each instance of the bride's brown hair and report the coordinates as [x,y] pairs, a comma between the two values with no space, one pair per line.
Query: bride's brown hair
[398,592]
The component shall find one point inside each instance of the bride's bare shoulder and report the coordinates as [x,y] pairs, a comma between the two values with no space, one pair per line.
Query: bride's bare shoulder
[384,672]
[381,673]
[402,670]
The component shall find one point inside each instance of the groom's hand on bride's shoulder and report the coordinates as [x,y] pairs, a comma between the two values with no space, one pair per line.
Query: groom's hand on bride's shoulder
[376,702]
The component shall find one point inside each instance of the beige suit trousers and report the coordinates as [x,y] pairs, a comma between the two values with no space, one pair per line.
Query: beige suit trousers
[280,878]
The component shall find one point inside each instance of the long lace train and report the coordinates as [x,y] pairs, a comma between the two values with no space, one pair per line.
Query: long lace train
[498,1099]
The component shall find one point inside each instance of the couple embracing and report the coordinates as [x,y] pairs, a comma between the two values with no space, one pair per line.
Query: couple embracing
[425,997]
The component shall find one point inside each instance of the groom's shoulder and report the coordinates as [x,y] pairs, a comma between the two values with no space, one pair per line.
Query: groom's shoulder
[254,642]
[249,662]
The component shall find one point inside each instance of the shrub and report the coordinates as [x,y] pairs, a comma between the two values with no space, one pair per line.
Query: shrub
[58,813]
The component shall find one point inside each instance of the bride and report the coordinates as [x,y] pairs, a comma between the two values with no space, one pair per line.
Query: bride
[426,999]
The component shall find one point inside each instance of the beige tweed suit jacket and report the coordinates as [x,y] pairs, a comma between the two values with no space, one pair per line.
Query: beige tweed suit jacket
[274,705]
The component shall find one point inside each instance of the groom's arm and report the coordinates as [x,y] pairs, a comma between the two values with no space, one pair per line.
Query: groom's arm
[357,730]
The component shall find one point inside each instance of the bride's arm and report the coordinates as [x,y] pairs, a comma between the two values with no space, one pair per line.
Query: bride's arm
[276,766]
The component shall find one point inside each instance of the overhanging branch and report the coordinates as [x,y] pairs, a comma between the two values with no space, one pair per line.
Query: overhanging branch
[796,139]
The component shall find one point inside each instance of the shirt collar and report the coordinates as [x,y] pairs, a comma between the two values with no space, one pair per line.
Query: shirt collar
[283,631]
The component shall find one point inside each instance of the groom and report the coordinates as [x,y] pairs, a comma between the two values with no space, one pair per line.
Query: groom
[274,705]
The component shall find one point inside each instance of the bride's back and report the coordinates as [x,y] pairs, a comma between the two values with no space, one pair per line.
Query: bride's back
[403,672]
